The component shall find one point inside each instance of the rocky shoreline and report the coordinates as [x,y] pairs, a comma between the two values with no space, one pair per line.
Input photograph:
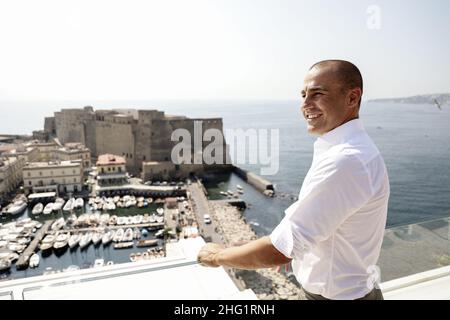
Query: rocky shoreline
[268,284]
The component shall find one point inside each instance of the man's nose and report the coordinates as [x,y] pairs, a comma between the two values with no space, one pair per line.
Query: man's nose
[306,103]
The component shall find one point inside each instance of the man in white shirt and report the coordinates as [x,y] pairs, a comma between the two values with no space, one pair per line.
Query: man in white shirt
[333,233]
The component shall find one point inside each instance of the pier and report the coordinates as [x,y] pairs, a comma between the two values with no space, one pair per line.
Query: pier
[253,179]
[141,225]
[234,202]
[25,256]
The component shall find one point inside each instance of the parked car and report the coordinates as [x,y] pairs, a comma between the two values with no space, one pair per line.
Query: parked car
[207,218]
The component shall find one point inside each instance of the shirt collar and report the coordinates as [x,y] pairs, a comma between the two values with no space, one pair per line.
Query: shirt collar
[338,135]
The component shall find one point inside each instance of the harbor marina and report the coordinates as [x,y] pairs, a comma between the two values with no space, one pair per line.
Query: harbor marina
[70,241]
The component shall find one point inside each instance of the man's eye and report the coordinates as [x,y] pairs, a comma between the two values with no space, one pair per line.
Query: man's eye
[317,93]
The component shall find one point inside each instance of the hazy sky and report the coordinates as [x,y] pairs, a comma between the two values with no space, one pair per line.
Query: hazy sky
[214,49]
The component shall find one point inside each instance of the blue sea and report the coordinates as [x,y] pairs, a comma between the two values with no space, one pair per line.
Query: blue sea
[413,139]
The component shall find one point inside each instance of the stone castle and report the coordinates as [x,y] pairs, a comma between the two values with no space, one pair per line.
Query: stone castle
[139,136]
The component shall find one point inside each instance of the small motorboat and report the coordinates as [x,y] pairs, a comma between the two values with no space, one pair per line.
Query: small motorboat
[58,224]
[128,236]
[99,263]
[118,237]
[85,240]
[113,220]
[5,264]
[58,204]
[79,203]
[74,240]
[124,245]
[17,207]
[48,208]
[70,204]
[38,208]
[147,243]
[160,211]
[96,238]
[59,245]
[107,237]
[159,233]
[45,246]
[135,256]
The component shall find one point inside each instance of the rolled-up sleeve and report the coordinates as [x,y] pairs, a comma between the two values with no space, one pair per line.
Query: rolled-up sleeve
[335,190]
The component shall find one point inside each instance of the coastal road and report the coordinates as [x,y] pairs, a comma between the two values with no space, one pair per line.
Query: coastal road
[201,207]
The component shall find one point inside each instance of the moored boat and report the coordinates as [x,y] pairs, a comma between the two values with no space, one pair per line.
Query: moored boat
[5,264]
[58,204]
[17,207]
[48,208]
[128,236]
[79,203]
[124,245]
[85,240]
[96,238]
[58,224]
[74,240]
[147,243]
[38,208]
[107,237]
[118,237]
[34,260]
[70,204]
[59,245]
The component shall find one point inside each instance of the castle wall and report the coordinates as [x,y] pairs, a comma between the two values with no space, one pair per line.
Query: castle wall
[115,138]
[144,138]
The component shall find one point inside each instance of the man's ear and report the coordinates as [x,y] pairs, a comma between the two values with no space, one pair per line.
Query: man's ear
[353,97]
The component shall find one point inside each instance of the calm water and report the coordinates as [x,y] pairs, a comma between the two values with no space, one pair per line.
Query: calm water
[413,139]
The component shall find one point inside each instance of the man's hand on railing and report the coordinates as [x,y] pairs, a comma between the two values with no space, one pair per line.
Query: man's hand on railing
[206,256]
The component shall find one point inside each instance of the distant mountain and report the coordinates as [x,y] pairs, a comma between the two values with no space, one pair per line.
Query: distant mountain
[442,98]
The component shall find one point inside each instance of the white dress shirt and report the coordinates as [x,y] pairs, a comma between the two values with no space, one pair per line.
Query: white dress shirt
[334,231]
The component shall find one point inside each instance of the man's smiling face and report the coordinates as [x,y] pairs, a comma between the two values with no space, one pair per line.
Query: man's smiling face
[324,101]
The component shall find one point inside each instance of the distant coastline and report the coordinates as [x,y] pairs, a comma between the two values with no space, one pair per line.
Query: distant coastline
[442,98]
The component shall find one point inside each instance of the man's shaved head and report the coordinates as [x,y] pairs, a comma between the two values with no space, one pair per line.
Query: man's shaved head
[346,73]
[331,93]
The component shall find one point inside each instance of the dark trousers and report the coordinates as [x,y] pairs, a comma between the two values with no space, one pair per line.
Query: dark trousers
[375,294]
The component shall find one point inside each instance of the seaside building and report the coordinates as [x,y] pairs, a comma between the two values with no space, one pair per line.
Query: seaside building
[111,170]
[46,150]
[10,174]
[74,151]
[24,151]
[62,177]
[136,135]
